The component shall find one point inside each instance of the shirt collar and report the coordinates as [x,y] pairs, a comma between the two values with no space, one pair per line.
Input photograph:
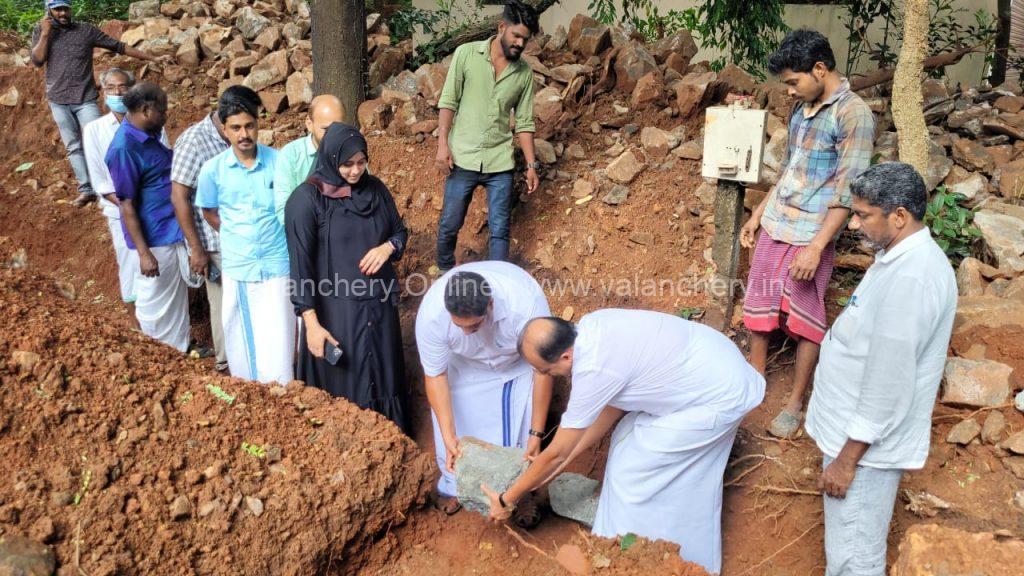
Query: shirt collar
[233,160]
[485,49]
[844,88]
[906,245]
[138,135]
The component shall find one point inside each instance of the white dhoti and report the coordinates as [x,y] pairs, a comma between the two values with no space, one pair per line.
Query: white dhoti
[127,259]
[259,329]
[664,480]
[495,410]
[161,304]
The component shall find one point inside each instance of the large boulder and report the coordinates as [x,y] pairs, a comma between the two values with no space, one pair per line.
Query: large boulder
[391,61]
[657,142]
[374,115]
[933,550]
[576,26]
[430,81]
[681,43]
[1009,179]
[574,496]
[299,89]
[969,279]
[137,11]
[213,39]
[648,91]
[484,463]
[547,108]
[976,383]
[593,41]
[250,22]
[972,156]
[692,91]
[272,69]
[632,63]
[736,79]
[1004,237]
[939,165]
[625,168]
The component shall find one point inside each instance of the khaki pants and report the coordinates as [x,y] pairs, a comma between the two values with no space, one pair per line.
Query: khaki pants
[214,295]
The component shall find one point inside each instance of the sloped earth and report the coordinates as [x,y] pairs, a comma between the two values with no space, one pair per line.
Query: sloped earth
[661,231]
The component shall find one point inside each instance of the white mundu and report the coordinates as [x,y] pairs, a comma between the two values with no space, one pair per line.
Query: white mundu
[96,138]
[685,388]
[491,384]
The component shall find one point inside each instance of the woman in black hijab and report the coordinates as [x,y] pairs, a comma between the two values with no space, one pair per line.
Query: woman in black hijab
[344,231]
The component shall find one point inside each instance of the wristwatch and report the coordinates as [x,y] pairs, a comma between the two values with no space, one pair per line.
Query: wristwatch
[535,165]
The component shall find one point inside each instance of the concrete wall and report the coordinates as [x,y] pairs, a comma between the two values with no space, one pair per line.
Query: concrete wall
[828,19]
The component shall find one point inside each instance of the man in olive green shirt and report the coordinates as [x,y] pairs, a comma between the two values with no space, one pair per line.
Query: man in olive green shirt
[486,84]
[298,156]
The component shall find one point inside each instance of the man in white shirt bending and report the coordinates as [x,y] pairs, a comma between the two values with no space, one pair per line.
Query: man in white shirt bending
[880,368]
[96,138]
[477,382]
[678,390]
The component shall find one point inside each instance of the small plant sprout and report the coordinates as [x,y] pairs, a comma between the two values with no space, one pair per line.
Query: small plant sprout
[220,394]
[254,450]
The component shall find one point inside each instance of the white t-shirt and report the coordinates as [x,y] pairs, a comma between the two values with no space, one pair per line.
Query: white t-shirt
[643,361]
[96,138]
[491,351]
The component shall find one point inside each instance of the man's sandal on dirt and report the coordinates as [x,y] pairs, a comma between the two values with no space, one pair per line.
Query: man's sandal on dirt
[785,424]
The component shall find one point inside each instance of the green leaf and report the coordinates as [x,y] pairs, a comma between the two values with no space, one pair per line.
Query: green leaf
[843,301]
[627,541]
[23,167]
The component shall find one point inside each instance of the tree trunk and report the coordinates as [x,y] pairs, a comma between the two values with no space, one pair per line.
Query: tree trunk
[438,48]
[339,52]
[907,102]
[1002,44]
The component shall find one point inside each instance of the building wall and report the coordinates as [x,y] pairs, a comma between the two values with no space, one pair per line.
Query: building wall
[827,19]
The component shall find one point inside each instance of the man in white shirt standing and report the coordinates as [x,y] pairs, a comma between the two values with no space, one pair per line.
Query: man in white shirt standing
[679,391]
[880,368]
[477,383]
[96,138]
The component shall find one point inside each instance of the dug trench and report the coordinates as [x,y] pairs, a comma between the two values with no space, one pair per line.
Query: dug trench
[128,458]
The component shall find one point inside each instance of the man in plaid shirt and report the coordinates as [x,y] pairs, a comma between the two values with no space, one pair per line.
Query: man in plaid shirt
[197,144]
[831,139]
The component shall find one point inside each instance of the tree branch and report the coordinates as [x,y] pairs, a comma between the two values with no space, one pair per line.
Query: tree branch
[883,75]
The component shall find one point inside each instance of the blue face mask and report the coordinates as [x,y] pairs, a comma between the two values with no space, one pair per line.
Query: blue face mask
[115,103]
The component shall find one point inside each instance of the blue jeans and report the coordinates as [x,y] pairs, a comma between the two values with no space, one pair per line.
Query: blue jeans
[458,192]
[71,118]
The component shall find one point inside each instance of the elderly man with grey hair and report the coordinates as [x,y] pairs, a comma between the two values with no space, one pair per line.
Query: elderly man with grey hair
[881,363]
[96,138]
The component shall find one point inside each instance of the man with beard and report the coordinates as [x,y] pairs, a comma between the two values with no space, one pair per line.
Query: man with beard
[236,194]
[298,156]
[486,83]
[65,47]
[881,364]
[831,139]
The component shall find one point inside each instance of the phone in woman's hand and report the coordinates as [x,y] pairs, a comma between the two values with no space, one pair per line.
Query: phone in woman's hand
[332,354]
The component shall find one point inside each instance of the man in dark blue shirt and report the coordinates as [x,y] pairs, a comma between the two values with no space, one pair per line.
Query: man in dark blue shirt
[140,169]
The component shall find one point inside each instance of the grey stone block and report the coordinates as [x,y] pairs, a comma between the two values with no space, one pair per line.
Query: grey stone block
[485,463]
[575,497]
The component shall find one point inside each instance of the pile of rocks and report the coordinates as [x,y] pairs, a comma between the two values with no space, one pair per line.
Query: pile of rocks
[264,45]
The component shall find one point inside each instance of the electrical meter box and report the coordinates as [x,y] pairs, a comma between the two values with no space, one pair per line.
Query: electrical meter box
[734,143]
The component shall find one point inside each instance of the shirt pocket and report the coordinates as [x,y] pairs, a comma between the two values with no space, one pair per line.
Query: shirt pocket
[263,191]
[847,326]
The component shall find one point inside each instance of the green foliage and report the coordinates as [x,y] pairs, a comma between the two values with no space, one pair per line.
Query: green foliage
[689,313]
[627,541]
[946,31]
[439,23]
[952,225]
[220,394]
[747,36]
[21,16]
[254,450]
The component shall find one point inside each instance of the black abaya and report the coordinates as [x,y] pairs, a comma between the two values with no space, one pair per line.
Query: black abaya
[327,237]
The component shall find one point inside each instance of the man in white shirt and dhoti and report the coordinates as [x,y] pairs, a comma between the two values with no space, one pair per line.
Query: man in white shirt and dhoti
[880,368]
[678,391]
[477,383]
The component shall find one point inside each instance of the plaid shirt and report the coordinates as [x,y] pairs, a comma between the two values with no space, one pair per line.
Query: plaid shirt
[828,147]
[194,147]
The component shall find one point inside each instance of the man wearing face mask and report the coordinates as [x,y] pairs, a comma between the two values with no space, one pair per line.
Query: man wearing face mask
[831,139]
[236,193]
[298,156]
[487,81]
[881,363]
[65,47]
[96,138]
[140,169]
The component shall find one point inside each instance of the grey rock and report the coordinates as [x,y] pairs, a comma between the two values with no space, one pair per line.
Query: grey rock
[575,497]
[617,195]
[992,430]
[484,463]
[144,9]
[181,508]
[964,432]
[21,556]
